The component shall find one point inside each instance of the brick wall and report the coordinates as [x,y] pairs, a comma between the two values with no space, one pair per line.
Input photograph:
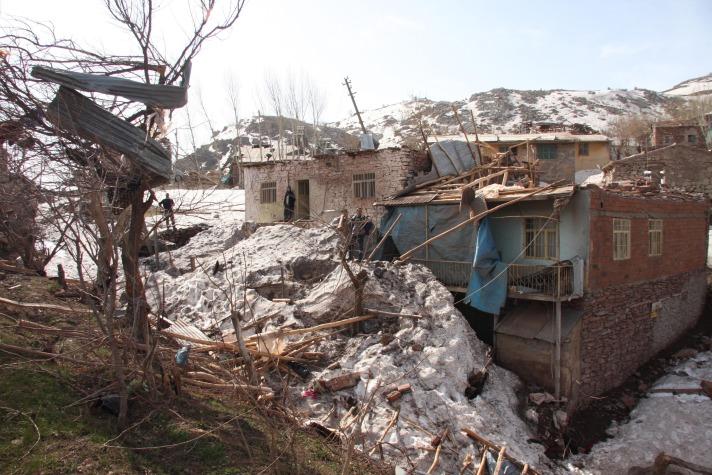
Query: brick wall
[684,238]
[331,182]
[620,331]
[686,168]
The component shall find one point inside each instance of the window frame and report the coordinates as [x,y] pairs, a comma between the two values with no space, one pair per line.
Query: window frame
[364,184]
[655,237]
[552,151]
[583,149]
[268,192]
[691,138]
[624,230]
[530,227]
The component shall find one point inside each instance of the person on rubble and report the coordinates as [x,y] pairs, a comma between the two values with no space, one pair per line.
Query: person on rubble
[361,227]
[167,204]
[289,200]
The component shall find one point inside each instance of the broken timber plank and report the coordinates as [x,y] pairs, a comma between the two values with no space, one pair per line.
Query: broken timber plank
[491,445]
[79,115]
[43,306]
[155,95]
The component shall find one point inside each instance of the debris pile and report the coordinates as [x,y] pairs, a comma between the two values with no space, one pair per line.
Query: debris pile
[390,382]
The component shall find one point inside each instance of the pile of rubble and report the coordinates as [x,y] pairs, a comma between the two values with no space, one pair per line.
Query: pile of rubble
[408,382]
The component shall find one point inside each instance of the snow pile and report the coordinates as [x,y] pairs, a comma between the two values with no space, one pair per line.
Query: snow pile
[433,354]
[675,424]
[692,87]
[270,256]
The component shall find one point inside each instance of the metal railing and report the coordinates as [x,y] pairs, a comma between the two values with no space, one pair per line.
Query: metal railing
[451,273]
[555,280]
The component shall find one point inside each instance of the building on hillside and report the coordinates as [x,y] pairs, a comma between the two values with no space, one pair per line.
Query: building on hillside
[575,287]
[324,185]
[688,132]
[679,166]
[561,155]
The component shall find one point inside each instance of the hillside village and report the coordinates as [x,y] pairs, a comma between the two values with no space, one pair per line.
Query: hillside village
[517,282]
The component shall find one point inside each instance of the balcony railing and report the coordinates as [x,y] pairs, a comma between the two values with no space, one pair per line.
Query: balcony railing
[454,274]
[523,280]
[555,280]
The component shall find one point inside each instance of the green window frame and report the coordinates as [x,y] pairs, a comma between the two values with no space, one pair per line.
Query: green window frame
[546,151]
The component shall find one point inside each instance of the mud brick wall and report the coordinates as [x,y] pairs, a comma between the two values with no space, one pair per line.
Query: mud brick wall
[678,134]
[620,329]
[563,167]
[331,182]
[686,168]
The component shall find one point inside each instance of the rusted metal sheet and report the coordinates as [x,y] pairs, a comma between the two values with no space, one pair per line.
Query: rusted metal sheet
[79,115]
[408,200]
[156,95]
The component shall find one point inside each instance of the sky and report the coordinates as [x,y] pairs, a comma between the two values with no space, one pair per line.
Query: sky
[396,49]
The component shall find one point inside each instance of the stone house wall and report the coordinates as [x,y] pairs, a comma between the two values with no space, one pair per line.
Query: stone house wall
[680,133]
[331,182]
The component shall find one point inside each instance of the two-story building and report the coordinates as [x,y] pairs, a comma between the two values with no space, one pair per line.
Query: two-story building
[581,285]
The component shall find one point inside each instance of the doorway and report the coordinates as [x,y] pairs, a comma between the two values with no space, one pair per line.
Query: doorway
[302,199]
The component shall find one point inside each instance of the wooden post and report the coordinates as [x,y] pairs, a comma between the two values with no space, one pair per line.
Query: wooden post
[477,138]
[427,229]
[557,362]
[347,83]
[385,236]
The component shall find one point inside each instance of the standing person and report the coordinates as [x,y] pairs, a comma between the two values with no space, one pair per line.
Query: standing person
[289,200]
[361,227]
[167,204]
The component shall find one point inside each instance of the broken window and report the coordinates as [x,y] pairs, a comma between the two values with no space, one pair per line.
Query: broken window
[547,151]
[692,138]
[583,149]
[364,185]
[268,192]
[655,237]
[621,239]
[541,238]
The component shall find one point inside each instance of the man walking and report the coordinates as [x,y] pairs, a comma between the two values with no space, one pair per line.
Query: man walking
[361,226]
[289,200]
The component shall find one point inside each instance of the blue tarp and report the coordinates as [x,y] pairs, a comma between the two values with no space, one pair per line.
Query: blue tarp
[456,246]
[487,291]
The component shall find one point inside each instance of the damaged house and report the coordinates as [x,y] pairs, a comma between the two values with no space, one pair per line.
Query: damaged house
[557,155]
[575,287]
[324,185]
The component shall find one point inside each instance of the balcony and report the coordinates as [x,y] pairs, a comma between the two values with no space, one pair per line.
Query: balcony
[524,281]
[541,282]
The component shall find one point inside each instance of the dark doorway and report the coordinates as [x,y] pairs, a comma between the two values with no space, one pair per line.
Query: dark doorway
[303,199]
[481,322]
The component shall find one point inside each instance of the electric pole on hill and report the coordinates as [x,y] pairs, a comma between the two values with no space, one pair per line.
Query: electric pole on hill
[347,83]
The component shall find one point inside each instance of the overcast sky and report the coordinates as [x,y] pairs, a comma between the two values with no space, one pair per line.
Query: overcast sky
[394,49]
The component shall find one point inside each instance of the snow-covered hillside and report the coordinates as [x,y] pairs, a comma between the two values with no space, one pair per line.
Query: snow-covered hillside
[506,110]
[693,87]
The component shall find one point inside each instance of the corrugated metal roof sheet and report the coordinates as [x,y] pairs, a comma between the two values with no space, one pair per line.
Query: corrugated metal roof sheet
[408,200]
[79,115]
[181,327]
[540,137]
[158,95]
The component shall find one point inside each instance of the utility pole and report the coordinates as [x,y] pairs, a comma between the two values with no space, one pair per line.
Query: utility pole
[347,83]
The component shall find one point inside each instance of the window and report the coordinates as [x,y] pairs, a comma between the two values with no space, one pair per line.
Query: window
[364,185]
[667,139]
[268,192]
[655,237]
[503,148]
[583,149]
[544,244]
[621,239]
[547,151]
[692,138]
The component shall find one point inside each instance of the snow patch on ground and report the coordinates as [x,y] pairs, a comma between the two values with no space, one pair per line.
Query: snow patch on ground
[675,424]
